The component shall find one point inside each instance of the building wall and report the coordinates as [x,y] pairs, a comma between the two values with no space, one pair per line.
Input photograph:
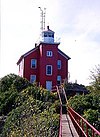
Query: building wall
[64,67]
[27,65]
[44,60]
[21,68]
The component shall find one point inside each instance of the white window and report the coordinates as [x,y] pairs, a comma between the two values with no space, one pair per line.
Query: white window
[32,78]
[59,64]
[49,85]
[33,63]
[58,79]
[49,53]
[48,69]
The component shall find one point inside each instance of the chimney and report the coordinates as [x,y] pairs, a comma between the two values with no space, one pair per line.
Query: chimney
[47,27]
[35,45]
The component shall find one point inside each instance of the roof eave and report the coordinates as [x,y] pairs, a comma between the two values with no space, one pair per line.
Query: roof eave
[26,54]
[63,54]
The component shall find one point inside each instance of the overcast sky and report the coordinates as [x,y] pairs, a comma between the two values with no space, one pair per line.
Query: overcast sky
[76,22]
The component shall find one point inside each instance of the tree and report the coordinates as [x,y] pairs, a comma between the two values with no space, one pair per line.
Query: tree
[10,87]
[95,79]
[33,118]
[92,117]
[31,110]
[73,88]
[6,82]
[88,106]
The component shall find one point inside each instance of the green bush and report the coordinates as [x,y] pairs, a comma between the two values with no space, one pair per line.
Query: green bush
[88,106]
[31,110]
[32,118]
[10,86]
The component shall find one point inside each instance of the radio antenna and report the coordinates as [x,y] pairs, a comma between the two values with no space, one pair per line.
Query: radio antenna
[44,13]
[42,18]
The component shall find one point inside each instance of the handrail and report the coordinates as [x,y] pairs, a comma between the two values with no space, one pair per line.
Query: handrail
[59,95]
[81,125]
[83,128]
[60,129]
[65,95]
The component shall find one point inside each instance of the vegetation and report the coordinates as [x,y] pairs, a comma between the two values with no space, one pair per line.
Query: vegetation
[95,80]
[89,105]
[10,86]
[74,88]
[31,111]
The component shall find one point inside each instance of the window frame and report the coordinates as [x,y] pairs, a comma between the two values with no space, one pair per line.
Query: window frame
[34,63]
[47,70]
[59,64]
[31,78]
[58,81]
[49,53]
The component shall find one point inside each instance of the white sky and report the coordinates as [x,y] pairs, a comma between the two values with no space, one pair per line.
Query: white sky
[76,22]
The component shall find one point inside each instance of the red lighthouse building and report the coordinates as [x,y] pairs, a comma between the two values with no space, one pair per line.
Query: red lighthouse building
[45,64]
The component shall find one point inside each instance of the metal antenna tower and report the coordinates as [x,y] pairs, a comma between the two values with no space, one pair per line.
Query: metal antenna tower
[44,13]
[42,18]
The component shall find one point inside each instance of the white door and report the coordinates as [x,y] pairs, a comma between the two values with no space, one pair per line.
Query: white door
[49,85]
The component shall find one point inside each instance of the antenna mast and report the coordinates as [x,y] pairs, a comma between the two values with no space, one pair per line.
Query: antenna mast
[42,18]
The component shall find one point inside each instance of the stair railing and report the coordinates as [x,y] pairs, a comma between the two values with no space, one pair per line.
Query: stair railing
[60,129]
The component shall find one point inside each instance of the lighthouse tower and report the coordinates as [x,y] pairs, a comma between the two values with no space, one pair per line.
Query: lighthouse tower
[47,36]
[49,58]
[45,64]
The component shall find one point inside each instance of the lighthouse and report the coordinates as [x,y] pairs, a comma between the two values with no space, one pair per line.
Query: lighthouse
[45,64]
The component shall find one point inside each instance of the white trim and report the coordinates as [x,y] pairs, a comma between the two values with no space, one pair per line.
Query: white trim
[26,54]
[49,53]
[63,55]
[54,43]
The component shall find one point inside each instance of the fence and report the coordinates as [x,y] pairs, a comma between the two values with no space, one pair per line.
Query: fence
[83,128]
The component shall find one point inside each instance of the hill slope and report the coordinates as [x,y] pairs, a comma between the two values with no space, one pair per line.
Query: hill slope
[31,110]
